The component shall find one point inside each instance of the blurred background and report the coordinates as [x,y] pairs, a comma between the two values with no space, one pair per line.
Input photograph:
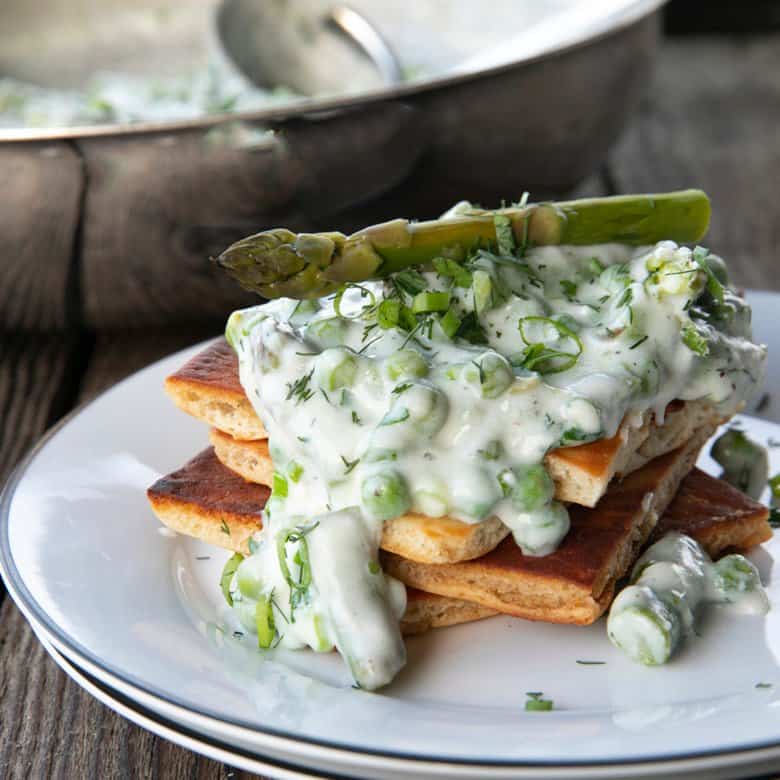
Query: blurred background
[139,138]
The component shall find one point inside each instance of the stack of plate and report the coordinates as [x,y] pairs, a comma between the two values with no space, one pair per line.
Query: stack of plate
[134,616]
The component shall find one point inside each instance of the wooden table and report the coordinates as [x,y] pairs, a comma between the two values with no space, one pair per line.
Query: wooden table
[711,120]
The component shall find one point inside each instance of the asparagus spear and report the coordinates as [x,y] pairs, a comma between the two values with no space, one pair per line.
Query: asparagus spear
[278,263]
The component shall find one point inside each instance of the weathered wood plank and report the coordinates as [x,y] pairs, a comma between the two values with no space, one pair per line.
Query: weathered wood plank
[34,375]
[49,727]
[712,120]
[118,354]
[39,214]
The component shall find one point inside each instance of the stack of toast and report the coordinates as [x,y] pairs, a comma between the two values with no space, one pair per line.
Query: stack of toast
[621,493]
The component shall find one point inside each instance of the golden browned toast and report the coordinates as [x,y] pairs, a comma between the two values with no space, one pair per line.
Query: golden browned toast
[207,387]
[205,500]
[575,584]
[425,539]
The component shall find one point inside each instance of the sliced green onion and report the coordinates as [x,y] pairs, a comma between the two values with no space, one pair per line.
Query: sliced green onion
[226,578]
[264,621]
[539,355]
[279,489]
[430,301]
[450,322]
[395,416]
[364,291]
[294,470]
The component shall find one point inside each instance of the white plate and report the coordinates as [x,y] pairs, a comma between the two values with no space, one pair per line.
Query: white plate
[83,556]
[750,763]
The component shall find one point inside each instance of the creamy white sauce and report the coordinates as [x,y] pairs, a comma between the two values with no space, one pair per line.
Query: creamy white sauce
[671,581]
[374,422]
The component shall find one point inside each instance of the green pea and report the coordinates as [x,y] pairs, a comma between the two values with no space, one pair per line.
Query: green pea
[495,374]
[476,499]
[533,488]
[335,368]
[328,332]
[540,532]
[419,410]
[406,364]
[385,495]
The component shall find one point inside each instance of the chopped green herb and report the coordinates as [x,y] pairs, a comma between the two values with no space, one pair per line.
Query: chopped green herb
[388,313]
[764,685]
[355,418]
[569,288]
[591,663]
[536,703]
[299,390]
[452,270]
[471,330]
[714,287]
[402,388]
[294,470]
[224,527]
[695,341]
[410,281]
[374,567]
[349,464]
[640,341]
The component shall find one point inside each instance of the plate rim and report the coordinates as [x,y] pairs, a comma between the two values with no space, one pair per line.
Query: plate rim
[35,613]
[742,758]
[168,729]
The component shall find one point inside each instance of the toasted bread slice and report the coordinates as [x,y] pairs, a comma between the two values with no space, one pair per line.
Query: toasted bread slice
[425,611]
[717,515]
[411,536]
[208,388]
[575,584]
[205,500]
